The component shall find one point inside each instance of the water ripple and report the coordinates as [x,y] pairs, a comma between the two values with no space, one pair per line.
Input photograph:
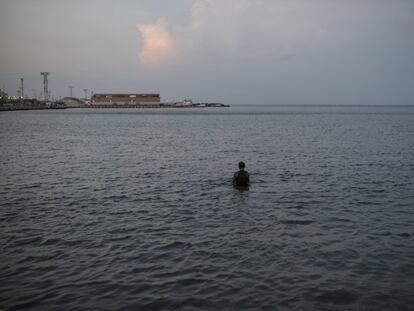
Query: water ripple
[137,212]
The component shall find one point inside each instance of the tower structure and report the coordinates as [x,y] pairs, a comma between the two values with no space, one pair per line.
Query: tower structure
[21,87]
[86,93]
[71,90]
[45,85]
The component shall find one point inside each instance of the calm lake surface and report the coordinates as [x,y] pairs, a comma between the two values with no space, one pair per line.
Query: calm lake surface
[134,209]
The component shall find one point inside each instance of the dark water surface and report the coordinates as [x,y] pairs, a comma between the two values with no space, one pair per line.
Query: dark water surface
[134,209]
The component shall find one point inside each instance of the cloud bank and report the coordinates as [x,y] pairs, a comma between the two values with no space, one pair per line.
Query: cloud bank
[244,27]
[296,51]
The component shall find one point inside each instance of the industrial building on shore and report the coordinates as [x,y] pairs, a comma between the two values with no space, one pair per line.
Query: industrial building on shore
[125,100]
[98,100]
[136,100]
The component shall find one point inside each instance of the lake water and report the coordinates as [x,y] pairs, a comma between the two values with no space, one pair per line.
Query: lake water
[134,209]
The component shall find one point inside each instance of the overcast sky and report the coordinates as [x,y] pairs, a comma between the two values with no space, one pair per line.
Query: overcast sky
[232,51]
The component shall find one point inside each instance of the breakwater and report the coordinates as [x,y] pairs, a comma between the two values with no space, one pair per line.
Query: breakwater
[12,105]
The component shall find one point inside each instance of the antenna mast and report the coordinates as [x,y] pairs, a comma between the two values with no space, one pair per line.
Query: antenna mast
[45,85]
[21,87]
[71,89]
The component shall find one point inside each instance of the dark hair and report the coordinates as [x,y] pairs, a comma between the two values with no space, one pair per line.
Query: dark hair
[241,165]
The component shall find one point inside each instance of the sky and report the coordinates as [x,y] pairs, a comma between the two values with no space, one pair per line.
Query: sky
[255,52]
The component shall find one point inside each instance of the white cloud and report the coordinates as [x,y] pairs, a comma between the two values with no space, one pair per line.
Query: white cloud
[158,44]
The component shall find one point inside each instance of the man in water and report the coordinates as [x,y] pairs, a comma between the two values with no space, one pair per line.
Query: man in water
[242,177]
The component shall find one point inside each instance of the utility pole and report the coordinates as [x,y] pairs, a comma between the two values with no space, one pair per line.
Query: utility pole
[71,89]
[86,93]
[45,85]
[21,87]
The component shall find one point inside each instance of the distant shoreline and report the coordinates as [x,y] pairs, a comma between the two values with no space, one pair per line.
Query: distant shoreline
[18,106]
[54,106]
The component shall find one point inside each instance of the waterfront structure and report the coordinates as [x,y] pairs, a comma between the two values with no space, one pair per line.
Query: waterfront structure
[72,102]
[184,103]
[125,100]
[10,104]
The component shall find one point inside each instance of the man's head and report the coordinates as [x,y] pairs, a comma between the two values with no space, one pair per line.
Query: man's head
[242,165]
